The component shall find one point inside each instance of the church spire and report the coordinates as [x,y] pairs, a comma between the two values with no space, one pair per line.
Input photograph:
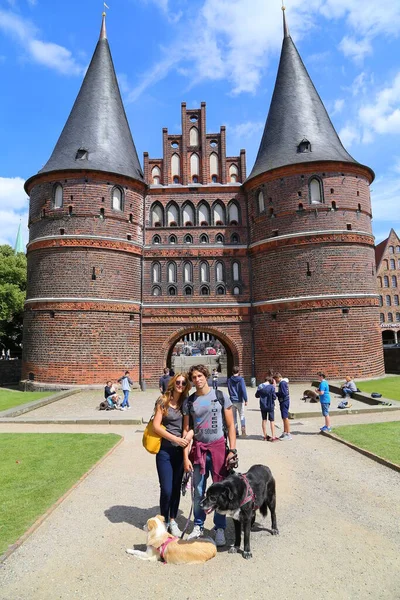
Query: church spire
[96,135]
[298,128]
[19,244]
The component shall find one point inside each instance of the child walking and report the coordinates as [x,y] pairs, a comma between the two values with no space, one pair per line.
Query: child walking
[266,393]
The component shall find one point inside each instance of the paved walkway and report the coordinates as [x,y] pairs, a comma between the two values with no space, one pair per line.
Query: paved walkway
[338,514]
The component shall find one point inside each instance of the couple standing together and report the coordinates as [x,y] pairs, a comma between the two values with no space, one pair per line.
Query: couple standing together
[193,441]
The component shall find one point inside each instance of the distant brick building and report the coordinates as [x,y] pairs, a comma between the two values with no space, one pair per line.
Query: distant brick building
[387,255]
[122,263]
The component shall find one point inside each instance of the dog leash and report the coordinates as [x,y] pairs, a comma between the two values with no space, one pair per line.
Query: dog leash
[188,478]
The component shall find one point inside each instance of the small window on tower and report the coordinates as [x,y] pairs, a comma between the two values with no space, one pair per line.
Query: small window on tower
[82,154]
[304,146]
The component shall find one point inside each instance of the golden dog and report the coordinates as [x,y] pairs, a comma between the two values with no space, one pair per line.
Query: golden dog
[161,545]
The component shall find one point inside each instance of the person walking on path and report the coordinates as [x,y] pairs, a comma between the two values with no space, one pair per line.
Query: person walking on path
[126,383]
[284,404]
[267,395]
[164,380]
[207,409]
[325,399]
[215,378]
[169,460]
[238,396]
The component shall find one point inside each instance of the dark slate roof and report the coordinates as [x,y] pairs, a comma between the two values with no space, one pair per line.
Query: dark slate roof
[97,123]
[296,113]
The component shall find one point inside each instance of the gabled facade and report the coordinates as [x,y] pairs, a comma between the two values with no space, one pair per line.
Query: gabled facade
[122,263]
[387,255]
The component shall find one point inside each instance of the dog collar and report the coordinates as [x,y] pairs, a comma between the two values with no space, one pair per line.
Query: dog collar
[163,546]
[250,496]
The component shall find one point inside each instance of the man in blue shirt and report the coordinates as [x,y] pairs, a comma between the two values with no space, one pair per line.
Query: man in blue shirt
[325,399]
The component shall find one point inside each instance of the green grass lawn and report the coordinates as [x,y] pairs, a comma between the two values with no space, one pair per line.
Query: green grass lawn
[36,469]
[380,438]
[10,398]
[389,387]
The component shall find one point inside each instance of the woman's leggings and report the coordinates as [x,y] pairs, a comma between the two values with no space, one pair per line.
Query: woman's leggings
[169,461]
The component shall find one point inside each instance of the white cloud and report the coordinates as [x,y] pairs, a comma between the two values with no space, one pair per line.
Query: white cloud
[13,209]
[338,106]
[45,53]
[385,196]
[355,49]
[383,114]
[349,135]
[246,130]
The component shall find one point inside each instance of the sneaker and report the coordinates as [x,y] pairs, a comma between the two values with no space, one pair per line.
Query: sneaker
[220,537]
[285,436]
[196,533]
[128,407]
[122,408]
[174,529]
[325,428]
[244,434]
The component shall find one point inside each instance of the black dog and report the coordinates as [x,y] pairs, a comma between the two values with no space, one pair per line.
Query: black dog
[310,395]
[239,496]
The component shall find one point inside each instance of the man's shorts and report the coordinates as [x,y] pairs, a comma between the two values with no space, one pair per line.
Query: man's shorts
[325,408]
[284,406]
[267,414]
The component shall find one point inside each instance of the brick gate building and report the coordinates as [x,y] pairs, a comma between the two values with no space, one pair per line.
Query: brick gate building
[278,265]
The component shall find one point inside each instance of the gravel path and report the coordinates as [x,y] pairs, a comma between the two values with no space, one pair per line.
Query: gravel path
[338,515]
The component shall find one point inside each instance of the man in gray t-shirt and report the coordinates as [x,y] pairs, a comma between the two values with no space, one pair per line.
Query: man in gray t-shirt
[208,453]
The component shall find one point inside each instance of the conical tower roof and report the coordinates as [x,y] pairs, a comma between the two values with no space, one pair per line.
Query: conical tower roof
[96,135]
[19,244]
[296,115]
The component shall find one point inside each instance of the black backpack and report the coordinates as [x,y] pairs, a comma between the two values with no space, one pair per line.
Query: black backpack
[221,400]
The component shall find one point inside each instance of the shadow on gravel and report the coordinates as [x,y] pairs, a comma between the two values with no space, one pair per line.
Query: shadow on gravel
[133,515]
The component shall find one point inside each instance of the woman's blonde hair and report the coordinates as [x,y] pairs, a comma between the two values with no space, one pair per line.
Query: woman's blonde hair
[164,401]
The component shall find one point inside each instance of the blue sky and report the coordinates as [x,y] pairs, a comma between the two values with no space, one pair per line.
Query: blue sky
[223,52]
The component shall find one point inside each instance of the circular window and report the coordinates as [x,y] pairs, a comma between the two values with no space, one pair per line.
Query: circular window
[193,118]
[213,143]
[174,144]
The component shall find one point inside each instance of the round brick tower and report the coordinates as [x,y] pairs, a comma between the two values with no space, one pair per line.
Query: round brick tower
[311,243]
[82,314]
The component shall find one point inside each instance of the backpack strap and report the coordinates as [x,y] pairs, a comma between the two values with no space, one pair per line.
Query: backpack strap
[220,398]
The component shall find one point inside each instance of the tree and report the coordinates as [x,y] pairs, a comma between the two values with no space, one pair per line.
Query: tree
[12,297]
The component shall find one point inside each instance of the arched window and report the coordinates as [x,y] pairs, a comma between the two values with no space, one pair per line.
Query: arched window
[194,137]
[388,300]
[398,317]
[194,165]
[188,291]
[219,239]
[203,239]
[390,317]
[172,239]
[315,187]
[391,249]
[233,214]
[220,290]
[218,214]
[156,291]
[117,198]
[58,195]
[188,239]
[172,290]
[235,271]
[172,215]
[204,272]
[156,239]
[392,263]
[380,300]
[188,215]
[204,214]
[156,272]
[171,272]
[214,170]
[236,291]
[214,179]
[233,173]
[219,272]
[261,202]
[397,249]
[175,166]
[187,272]
[157,215]
[382,318]
[204,291]
[396,300]
[235,238]
[394,281]
[156,175]
[386,281]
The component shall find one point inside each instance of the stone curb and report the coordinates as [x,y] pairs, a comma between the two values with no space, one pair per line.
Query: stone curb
[366,453]
[24,408]
[73,421]
[344,411]
[57,503]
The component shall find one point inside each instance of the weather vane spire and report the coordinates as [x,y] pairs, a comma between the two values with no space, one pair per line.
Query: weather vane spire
[103,32]
[285,27]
